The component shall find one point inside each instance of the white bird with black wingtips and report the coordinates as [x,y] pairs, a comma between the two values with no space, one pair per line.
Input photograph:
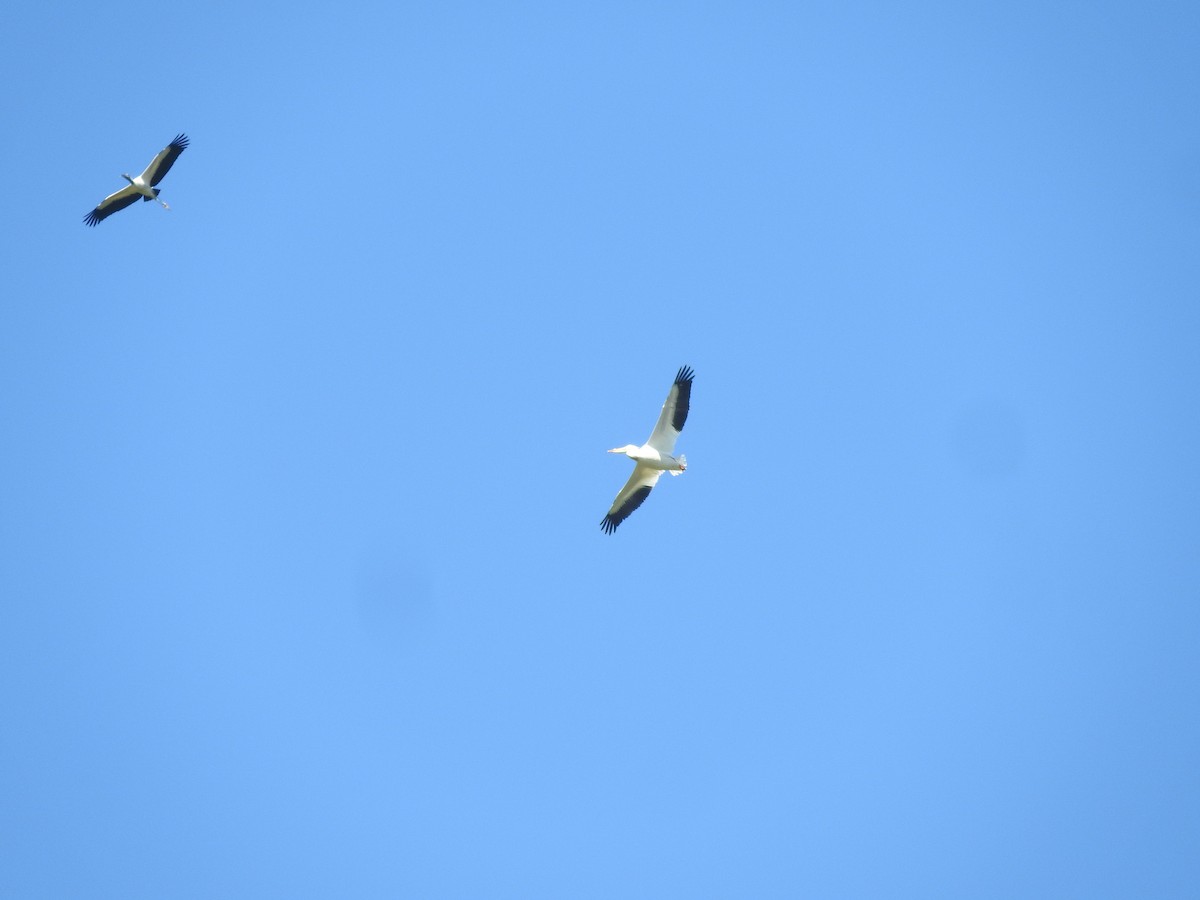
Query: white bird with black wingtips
[656,455]
[142,187]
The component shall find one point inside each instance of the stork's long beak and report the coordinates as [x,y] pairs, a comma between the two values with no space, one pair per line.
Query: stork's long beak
[617,450]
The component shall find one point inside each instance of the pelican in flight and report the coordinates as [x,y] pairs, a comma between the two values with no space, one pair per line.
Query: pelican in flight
[656,455]
[143,186]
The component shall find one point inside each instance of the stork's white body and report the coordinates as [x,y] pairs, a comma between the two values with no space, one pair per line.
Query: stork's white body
[142,186]
[646,455]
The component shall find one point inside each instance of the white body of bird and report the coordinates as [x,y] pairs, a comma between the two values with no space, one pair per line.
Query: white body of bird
[140,185]
[653,459]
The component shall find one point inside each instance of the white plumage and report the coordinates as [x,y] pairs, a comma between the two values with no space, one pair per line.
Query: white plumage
[656,455]
[142,187]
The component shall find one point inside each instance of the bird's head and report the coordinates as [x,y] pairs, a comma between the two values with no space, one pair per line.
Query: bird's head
[628,450]
[127,178]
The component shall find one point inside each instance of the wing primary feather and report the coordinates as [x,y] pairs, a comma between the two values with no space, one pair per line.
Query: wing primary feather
[610,522]
[163,162]
[683,382]
[109,205]
[674,412]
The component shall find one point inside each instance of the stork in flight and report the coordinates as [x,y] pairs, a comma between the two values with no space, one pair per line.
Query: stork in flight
[656,455]
[143,186]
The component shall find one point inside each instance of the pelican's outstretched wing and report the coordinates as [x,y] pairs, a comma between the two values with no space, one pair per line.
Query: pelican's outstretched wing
[674,413]
[161,164]
[111,204]
[635,492]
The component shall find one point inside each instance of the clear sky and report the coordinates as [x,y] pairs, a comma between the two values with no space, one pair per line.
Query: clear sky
[302,588]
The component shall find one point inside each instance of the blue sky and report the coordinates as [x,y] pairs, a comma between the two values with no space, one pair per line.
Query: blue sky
[302,586]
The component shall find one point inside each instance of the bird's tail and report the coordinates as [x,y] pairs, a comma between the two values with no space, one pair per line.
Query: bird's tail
[682,459]
[146,199]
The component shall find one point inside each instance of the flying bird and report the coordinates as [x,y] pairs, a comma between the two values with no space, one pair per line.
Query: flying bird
[655,456]
[143,186]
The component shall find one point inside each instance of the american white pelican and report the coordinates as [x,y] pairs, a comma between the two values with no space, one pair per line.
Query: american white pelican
[143,186]
[655,456]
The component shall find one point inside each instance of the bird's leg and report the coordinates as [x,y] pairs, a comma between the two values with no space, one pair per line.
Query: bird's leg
[163,202]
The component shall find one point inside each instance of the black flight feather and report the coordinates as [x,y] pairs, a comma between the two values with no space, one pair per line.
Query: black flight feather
[102,212]
[613,519]
[174,148]
[684,379]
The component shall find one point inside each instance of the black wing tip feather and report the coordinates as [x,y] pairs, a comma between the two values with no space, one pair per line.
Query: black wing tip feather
[683,400]
[172,151]
[103,211]
[610,522]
